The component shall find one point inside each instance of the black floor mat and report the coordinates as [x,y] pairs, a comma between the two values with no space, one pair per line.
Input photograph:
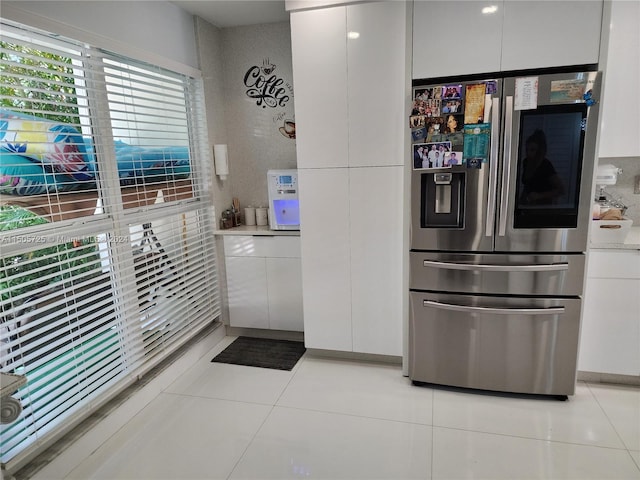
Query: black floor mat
[262,352]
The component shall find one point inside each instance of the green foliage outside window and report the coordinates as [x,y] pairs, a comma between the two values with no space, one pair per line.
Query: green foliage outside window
[57,263]
[42,84]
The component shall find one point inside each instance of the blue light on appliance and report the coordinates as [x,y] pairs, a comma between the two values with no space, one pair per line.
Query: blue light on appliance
[287,211]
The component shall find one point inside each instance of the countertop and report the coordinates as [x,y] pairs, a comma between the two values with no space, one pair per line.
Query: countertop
[631,242]
[256,230]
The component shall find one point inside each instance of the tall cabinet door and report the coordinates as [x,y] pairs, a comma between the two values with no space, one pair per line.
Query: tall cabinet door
[326,276]
[620,121]
[376,259]
[319,57]
[377,81]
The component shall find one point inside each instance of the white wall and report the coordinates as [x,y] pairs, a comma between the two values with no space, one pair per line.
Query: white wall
[154,31]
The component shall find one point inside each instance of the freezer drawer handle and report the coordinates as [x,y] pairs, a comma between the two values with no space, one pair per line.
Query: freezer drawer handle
[497,311]
[553,267]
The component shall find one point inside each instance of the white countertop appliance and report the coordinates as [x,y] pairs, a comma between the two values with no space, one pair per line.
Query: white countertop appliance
[284,206]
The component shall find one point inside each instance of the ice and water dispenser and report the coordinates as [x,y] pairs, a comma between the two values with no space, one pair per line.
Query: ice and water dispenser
[284,207]
[442,199]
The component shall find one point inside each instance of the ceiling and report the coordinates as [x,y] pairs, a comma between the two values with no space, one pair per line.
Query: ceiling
[235,13]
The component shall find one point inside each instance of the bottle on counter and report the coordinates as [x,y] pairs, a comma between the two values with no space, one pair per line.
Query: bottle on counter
[226,220]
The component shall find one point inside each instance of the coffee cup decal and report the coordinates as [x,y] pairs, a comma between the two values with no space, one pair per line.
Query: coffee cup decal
[265,86]
[288,129]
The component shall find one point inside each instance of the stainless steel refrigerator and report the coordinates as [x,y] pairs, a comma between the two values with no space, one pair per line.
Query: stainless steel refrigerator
[501,189]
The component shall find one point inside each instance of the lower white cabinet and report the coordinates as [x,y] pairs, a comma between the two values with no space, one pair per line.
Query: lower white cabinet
[264,282]
[352,258]
[610,338]
[324,219]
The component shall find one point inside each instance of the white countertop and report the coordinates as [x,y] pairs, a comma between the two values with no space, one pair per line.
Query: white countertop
[631,241]
[256,230]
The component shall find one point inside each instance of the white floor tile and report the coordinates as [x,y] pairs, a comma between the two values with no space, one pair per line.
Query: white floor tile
[357,388]
[232,382]
[578,420]
[296,443]
[341,419]
[622,405]
[177,437]
[459,454]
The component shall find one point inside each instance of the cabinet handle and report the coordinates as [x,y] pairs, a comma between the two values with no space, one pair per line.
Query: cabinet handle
[494,310]
[553,267]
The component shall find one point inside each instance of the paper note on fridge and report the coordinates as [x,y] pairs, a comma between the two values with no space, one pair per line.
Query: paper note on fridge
[526,97]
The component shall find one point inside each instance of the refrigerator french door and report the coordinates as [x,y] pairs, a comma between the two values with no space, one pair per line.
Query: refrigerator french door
[531,191]
[498,239]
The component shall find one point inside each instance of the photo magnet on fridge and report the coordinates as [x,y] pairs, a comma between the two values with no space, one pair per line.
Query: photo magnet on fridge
[418,134]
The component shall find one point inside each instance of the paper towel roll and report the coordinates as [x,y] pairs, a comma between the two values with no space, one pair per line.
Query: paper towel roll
[261,216]
[249,216]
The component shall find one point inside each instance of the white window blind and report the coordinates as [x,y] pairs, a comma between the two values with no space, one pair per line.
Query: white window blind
[107,257]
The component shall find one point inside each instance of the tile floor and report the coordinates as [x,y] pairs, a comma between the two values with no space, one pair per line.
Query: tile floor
[344,419]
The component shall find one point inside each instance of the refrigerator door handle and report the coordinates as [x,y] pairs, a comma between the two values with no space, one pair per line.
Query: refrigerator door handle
[494,310]
[506,166]
[493,166]
[497,268]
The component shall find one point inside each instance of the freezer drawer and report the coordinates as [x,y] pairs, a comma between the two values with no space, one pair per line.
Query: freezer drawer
[507,344]
[498,274]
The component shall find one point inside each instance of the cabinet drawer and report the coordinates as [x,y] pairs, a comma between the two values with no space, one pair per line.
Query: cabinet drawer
[284,246]
[614,264]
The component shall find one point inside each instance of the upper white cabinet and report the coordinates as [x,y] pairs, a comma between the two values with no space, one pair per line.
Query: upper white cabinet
[349,72]
[620,120]
[454,37]
[319,52]
[550,34]
[377,75]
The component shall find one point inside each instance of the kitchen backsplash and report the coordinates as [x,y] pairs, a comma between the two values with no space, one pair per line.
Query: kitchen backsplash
[624,187]
[259,107]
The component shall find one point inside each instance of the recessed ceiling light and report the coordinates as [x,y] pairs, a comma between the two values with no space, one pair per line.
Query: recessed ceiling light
[490,10]
[353,35]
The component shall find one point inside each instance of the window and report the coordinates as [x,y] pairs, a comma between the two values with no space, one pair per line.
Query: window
[107,260]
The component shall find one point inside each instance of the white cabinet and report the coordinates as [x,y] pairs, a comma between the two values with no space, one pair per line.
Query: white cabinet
[610,338]
[319,52]
[325,235]
[247,287]
[457,37]
[620,117]
[550,34]
[377,79]
[376,259]
[264,281]
[351,192]
[284,294]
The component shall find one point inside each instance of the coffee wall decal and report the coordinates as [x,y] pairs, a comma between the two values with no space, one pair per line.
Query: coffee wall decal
[266,87]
